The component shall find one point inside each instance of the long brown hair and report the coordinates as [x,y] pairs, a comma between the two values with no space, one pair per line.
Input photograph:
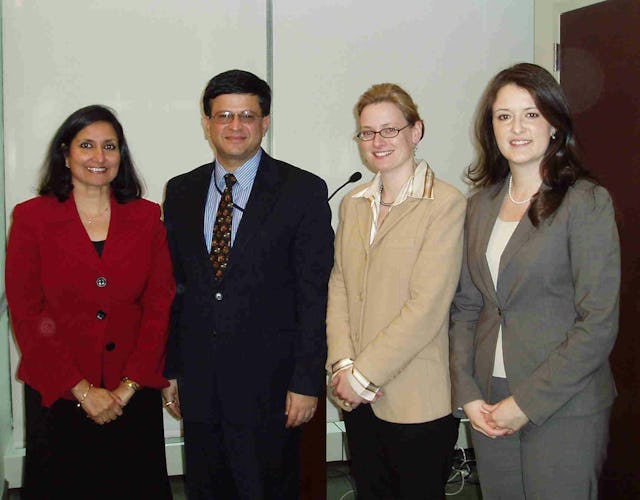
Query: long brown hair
[561,165]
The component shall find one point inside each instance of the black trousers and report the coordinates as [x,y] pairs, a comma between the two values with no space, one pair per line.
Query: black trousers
[69,457]
[226,461]
[399,461]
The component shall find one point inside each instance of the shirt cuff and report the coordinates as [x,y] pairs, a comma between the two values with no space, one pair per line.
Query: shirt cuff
[361,385]
[341,365]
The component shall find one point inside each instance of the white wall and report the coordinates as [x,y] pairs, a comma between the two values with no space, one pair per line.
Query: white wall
[150,59]
[442,53]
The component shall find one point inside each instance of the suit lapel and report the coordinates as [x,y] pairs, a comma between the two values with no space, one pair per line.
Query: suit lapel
[265,191]
[121,231]
[193,216]
[364,217]
[521,235]
[69,230]
[484,221]
[398,213]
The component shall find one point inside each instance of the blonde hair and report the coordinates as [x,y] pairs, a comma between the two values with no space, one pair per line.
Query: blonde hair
[390,92]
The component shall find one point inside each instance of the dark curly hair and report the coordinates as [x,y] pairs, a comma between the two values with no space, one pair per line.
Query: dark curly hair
[561,165]
[56,178]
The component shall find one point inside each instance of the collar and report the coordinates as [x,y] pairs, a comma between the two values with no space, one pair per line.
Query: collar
[245,174]
[419,185]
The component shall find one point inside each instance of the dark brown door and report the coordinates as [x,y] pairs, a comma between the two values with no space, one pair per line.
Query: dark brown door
[600,72]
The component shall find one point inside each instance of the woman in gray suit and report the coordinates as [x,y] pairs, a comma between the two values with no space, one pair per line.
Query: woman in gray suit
[535,315]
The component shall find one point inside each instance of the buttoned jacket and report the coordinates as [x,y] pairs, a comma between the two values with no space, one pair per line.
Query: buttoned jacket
[78,315]
[238,345]
[556,299]
[389,300]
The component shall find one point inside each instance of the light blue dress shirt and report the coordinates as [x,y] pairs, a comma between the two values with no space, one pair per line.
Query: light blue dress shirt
[245,175]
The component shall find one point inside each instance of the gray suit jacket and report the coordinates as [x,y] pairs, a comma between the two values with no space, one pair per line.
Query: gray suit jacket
[557,302]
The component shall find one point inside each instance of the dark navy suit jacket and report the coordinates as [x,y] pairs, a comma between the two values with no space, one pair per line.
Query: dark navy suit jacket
[238,346]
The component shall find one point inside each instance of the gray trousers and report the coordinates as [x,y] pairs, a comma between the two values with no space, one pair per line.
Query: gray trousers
[560,459]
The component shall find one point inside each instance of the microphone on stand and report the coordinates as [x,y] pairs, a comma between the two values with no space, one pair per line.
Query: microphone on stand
[356,176]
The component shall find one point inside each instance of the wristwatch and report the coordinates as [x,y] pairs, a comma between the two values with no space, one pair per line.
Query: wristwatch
[127,381]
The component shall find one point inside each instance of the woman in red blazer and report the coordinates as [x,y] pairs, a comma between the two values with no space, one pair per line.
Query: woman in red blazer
[89,285]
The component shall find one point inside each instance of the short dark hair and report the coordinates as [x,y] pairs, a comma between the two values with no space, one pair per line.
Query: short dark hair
[561,165]
[56,177]
[237,81]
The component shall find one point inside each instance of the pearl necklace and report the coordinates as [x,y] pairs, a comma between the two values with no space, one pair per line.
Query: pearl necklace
[511,197]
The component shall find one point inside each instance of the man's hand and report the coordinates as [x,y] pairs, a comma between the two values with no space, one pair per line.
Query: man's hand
[299,409]
[172,399]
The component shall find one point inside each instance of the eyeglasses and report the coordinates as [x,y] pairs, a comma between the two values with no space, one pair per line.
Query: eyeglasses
[225,117]
[387,133]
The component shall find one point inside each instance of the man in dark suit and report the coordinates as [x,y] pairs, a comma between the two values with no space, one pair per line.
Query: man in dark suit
[252,248]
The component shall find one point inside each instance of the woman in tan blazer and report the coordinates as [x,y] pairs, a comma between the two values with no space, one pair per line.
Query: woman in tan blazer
[397,261]
[536,312]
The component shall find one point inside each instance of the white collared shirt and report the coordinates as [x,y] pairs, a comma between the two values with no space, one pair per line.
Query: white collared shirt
[419,185]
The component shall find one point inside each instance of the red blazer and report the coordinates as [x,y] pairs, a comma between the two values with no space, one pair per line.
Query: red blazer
[76,315]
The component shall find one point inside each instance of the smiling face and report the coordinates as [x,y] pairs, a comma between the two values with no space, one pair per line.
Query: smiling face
[94,156]
[239,140]
[521,132]
[388,155]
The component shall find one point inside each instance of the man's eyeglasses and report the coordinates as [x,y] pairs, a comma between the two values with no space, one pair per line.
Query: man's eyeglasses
[387,133]
[225,117]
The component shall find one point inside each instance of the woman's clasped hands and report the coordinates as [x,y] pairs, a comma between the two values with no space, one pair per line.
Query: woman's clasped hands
[344,394]
[101,405]
[501,419]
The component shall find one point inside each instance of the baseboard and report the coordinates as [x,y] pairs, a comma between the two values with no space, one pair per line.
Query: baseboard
[13,460]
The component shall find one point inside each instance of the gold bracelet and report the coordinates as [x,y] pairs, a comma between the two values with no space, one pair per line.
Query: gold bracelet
[128,382]
[84,396]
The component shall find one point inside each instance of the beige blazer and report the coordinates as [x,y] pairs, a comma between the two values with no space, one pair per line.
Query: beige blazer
[389,301]
[557,302]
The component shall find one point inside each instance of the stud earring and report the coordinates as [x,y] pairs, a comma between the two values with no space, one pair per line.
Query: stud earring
[553,136]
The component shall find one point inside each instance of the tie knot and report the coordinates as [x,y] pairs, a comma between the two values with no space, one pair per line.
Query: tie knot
[230,180]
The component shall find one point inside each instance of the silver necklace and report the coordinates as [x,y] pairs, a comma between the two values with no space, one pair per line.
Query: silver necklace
[384,204]
[511,197]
